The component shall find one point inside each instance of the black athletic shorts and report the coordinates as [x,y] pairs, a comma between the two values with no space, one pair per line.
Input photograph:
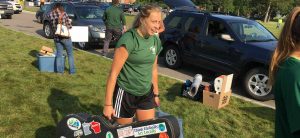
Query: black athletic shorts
[126,104]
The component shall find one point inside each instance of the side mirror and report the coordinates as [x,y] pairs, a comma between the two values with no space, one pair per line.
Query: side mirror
[227,37]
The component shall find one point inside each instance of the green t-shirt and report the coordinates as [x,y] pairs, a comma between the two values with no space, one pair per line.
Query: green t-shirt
[136,74]
[287,99]
[114,17]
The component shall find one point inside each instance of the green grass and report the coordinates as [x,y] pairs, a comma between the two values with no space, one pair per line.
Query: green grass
[129,20]
[31,8]
[271,26]
[33,102]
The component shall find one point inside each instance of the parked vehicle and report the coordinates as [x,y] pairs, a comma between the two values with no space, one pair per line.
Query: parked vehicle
[81,15]
[6,9]
[125,7]
[136,7]
[104,6]
[221,43]
[37,3]
[16,6]
[39,15]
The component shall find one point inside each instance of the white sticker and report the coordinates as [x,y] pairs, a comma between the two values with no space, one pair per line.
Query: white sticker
[86,128]
[78,133]
[73,123]
[149,130]
[125,132]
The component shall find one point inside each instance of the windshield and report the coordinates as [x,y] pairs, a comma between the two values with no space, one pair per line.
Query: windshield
[89,12]
[251,32]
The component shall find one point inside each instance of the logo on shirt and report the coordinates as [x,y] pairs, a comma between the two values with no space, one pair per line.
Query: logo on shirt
[152,50]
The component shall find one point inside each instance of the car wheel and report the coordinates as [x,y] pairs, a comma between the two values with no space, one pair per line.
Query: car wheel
[39,19]
[172,57]
[82,45]
[47,30]
[9,16]
[255,83]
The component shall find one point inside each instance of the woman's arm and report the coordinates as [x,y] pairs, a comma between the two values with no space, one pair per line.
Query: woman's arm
[120,57]
[155,81]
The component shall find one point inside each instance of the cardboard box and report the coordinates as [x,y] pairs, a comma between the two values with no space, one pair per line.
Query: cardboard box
[215,100]
[221,97]
[47,63]
[46,51]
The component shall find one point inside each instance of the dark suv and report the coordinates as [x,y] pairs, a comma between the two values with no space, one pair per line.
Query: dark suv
[82,14]
[221,43]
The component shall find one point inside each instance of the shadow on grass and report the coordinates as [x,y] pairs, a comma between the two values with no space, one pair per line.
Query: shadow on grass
[62,104]
[41,33]
[34,53]
[173,91]
[261,112]
[45,132]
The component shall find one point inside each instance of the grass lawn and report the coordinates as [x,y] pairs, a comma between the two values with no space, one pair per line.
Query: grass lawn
[271,26]
[31,8]
[33,102]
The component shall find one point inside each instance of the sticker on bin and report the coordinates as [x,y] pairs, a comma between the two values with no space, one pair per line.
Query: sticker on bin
[149,130]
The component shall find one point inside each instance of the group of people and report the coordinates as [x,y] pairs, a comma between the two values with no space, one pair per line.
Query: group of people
[132,84]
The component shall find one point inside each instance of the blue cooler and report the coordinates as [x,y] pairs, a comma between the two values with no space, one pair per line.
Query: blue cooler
[47,63]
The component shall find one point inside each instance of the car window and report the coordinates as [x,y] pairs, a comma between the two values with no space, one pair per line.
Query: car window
[175,22]
[188,23]
[195,25]
[215,29]
[68,9]
[251,31]
[89,13]
[44,8]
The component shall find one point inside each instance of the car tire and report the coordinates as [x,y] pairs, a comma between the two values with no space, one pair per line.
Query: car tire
[82,45]
[255,84]
[9,16]
[47,30]
[172,57]
[39,19]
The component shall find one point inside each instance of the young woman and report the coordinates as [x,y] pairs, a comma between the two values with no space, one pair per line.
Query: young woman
[132,87]
[57,14]
[285,77]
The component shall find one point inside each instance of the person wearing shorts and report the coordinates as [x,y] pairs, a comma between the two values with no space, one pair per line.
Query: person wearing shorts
[132,85]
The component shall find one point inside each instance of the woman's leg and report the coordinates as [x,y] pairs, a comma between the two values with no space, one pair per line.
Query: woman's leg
[143,115]
[59,59]
[124,121]
[69,48]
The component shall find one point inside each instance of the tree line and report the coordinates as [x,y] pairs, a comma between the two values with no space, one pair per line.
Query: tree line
[264,10]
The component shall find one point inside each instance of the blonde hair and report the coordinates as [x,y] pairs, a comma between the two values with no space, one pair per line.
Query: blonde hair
[288,40]
[145,13]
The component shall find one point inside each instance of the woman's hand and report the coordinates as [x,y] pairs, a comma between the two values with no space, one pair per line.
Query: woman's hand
[108,111]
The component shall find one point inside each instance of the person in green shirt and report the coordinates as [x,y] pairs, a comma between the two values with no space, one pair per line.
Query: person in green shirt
[115,23]
[285,77]
[132,85]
